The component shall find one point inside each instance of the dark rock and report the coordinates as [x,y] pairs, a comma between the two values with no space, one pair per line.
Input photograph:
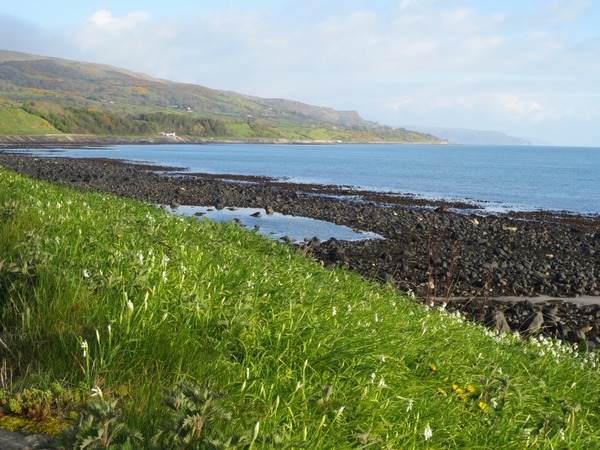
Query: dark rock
[533,324]
[577,336]
[19,441]
[496,320]
[386,277]
[551,315]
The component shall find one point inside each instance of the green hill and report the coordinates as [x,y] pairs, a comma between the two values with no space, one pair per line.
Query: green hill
[79,97]
[15,120]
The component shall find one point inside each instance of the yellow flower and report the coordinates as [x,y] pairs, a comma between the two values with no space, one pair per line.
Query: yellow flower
[454,387]
[119,235]
[459,391]
[470,389]
[432,367]
[441,391]
[482,406]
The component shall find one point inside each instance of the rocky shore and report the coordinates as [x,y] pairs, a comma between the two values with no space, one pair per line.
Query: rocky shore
[450,253]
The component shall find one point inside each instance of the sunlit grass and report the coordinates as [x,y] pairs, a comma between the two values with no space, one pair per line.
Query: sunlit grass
[122,296]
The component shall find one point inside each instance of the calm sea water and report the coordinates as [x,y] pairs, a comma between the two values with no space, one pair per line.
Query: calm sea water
[501,177]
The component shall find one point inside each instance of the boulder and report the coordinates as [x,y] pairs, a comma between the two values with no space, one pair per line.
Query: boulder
[496,320]
[533,324]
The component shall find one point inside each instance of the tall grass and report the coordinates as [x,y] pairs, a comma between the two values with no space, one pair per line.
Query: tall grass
[122,296]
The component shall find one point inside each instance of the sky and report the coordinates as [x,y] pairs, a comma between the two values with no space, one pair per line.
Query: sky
[529,68]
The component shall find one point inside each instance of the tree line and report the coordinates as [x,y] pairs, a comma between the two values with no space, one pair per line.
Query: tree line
[71,119]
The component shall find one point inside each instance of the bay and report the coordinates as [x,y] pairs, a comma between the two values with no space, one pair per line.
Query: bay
[498,178]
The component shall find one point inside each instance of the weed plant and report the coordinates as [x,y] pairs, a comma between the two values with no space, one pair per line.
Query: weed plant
[252,345]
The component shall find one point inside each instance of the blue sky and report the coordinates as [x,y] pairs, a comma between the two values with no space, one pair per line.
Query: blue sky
[530,68]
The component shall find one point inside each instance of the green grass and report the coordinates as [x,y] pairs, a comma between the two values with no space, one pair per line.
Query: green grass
[305,357]
[14,120]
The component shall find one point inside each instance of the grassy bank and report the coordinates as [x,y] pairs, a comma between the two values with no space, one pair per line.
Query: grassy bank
[14,120]
[109,294]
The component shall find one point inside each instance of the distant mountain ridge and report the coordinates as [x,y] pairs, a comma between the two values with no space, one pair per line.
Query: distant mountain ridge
[473,137]
[42,82]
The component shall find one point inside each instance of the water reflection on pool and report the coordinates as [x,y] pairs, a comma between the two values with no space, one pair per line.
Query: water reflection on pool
[277,225]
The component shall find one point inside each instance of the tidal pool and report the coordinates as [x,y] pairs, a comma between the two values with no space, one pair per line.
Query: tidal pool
[277,225]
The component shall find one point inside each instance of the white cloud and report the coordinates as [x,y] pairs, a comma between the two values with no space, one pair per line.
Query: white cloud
[104,20]
[522,109]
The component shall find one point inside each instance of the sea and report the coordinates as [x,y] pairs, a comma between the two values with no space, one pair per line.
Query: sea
[496,178]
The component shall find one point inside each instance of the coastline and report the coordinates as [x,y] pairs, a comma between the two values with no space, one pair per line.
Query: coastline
[491,262]
[93,140]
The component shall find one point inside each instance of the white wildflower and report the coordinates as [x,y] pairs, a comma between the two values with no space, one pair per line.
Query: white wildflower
[409,405]
[334,311]
[382,359]
[84,346]
[256,429]
[427,433]
[96,392]
[381,383]
[164,277]
[129,305]
[85,273]
[339,412]
[373,377]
